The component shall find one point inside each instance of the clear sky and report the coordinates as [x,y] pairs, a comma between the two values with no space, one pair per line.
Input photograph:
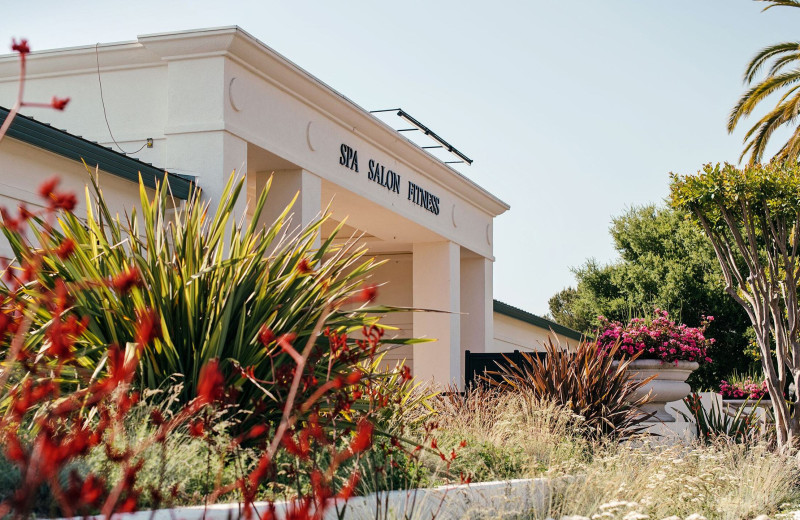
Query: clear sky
[572,110]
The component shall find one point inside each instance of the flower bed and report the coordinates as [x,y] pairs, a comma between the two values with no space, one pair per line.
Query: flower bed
[657,338]
[744,389]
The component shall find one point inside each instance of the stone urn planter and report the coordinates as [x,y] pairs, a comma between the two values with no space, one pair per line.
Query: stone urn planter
[669,384]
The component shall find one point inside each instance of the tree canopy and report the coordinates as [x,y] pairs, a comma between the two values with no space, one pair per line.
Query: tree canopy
[752,218]
[665,262]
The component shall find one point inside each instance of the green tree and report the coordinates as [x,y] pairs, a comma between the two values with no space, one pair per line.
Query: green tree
[665,262]
[752,217]
[782,64]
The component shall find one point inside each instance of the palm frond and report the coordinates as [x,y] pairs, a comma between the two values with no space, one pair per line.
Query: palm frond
[750,99]
[758,136]
[765,55]
[780,3]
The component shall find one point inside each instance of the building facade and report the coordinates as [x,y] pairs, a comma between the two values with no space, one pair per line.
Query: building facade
[216,101]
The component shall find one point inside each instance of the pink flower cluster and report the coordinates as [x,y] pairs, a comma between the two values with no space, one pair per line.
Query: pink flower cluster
[658,338]
[747,389]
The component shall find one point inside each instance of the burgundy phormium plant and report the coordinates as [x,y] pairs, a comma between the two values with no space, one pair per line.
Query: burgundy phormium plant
[659,338]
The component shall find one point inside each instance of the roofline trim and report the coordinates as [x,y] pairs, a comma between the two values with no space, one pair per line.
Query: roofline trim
[532,319]
[71,146]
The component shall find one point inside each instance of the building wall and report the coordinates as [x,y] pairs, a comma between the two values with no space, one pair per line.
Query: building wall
[512,334]
[218,100]
[394,279]
[24,167]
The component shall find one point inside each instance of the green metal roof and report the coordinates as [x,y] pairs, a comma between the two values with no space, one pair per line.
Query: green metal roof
[513,312]
[77,148]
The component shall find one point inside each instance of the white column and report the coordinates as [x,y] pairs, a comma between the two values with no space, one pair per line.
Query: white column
[196,142]
[437,280]
[285,185]
[211,157]
[477,318]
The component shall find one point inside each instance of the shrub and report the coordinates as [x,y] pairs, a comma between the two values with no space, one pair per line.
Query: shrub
[657,338]
[588,381]
[716,423]
[68,395]
[94,301]
[215,288]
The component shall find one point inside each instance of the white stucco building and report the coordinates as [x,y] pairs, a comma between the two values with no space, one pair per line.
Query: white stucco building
[218,100]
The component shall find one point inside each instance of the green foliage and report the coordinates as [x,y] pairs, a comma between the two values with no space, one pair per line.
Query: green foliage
[665,262]
[715,423]
[752,218]
[725,195]
[587,381]
[214,283]
[571,308]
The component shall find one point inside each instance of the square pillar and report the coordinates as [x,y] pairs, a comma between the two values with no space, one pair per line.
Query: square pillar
[285,185]
[436,285]
[210,157]
[477,305]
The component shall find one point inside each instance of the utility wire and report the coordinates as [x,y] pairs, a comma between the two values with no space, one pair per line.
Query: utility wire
[103,102]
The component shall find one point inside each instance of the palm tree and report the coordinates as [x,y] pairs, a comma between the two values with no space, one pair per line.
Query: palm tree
[783,74]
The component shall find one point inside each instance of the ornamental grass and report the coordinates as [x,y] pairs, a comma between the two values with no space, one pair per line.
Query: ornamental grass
[724,481]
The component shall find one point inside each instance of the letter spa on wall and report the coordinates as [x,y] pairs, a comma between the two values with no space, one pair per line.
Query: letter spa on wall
[219,100]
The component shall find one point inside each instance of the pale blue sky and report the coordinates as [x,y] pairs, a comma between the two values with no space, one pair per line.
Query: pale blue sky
[573,111]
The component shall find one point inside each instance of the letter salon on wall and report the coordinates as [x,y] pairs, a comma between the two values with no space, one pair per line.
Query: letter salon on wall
[219,100]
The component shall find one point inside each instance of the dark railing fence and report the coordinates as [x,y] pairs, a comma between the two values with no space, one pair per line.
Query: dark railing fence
[477,364]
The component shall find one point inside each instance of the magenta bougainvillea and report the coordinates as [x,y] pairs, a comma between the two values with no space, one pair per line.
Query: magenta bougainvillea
[747,389]
[657,338]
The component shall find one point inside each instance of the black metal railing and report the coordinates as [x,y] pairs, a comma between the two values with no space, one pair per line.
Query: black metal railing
[477,364]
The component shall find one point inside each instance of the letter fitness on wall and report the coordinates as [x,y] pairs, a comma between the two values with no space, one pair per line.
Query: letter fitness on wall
[388,179]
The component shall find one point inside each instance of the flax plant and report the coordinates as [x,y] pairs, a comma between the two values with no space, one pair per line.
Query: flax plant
[219,288]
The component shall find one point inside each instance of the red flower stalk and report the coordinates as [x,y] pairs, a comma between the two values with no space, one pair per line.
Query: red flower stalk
[64,200]
[301,449]
[349,487]
[304,267]
[59,103]
[21,46]
[65,249]
[196,428]
[48,187]
[363,438]
[265,335]
[368,294]
[126,280]
[148,327]
[210,383]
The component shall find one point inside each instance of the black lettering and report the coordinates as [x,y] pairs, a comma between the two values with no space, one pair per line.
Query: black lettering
[371,174]
[343,150]
[354,165]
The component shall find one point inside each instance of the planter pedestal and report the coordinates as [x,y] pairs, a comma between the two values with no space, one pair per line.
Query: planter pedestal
[669,384]
[763,407]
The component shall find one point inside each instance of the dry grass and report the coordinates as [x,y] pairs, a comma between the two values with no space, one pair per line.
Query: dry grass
[723,481]
[508,435]
[516,435]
